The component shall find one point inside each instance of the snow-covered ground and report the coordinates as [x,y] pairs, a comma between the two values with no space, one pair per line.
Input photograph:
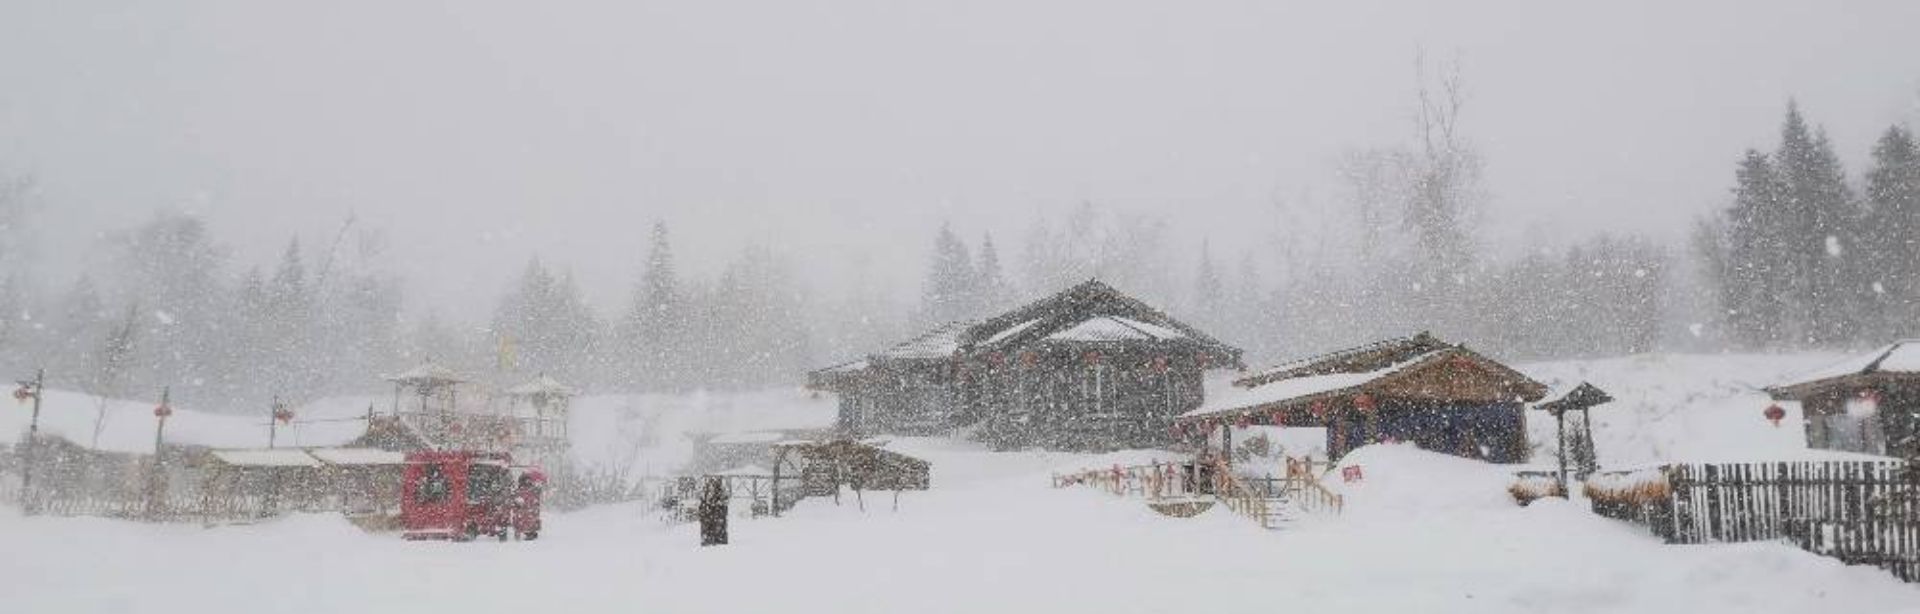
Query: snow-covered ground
[1422,535]
[1422,532]
[1683,407]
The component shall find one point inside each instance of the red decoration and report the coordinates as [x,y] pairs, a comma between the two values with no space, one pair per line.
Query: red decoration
[1774,414]
[1351,473]
[283,414]
[1243,421]
[1092,358]
[22,394]
[162,411]
[1363,402]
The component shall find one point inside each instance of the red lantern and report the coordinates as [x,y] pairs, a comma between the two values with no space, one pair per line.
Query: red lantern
[1774,414]
[283,414]
[22,394]
[1363,402]
[162,411]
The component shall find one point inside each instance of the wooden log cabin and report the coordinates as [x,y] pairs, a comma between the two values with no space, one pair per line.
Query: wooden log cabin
[1089,368]
[1440,396]
[1868,403]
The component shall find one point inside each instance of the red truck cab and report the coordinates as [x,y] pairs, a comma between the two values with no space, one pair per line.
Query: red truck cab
[463,495]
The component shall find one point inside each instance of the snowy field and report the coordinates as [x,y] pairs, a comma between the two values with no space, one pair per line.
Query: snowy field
[1425,534]
[1422,533]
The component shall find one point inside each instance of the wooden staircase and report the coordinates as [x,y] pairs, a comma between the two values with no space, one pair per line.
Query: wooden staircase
[1186,489]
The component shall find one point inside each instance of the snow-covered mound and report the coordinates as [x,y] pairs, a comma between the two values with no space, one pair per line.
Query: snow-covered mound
[653,434]
[1405,481]
[1682,407]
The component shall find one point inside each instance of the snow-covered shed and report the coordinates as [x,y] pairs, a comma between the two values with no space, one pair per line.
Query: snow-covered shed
[1087,368]
[1867,403]
[1441,396]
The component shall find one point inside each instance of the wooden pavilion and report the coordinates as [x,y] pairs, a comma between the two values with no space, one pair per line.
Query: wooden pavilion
[1088,368]
[1440,396]
[1867,403]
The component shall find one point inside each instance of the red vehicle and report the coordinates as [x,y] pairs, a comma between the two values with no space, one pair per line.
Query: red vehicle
[463,495]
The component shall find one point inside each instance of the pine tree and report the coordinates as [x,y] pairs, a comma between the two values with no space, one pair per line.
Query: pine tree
[1892,229]
[990,282]
[1208,291]
[1820,216]
[1760,268]
[656,325]
[951,288]
[288,349]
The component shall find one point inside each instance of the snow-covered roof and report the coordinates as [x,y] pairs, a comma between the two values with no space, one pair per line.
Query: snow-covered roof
[277,457]
[1013,330]
[750,437]
[941,342]
[425,372]
[1115,328]
[1899,357]
[543,384]
[126,426]
[746,471]
[1238,398]
[358,456]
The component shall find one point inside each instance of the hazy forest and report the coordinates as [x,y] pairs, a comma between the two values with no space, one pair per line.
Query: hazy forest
[1801,253]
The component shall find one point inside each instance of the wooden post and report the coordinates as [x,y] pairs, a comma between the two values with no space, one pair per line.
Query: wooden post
[33,434]
[273,421]
[1560,417]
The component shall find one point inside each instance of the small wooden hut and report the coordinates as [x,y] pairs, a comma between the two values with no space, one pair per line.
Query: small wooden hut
[1868,403]
[1440,396]
[1088,368]
[827,465]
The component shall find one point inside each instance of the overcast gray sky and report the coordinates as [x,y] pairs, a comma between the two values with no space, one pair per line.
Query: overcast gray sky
[476,133]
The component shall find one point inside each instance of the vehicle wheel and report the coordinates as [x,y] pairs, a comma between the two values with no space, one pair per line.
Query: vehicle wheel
[503,534]
[530,535]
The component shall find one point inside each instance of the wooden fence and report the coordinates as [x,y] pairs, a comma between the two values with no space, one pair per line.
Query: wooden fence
[1865,512]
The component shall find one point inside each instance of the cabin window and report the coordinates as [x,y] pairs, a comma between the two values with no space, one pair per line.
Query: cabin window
[1855,432]
[434,486]
[486,483]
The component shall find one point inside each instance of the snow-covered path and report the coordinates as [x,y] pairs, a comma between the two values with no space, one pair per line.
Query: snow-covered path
[992,537]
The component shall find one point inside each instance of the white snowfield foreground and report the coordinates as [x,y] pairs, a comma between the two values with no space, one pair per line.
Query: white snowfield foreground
[1424,533]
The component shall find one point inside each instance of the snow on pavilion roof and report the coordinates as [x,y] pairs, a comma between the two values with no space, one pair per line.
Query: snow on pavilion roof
[426,372]
[543,384]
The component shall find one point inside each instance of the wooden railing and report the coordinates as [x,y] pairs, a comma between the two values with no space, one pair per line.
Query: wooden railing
[1261,499]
